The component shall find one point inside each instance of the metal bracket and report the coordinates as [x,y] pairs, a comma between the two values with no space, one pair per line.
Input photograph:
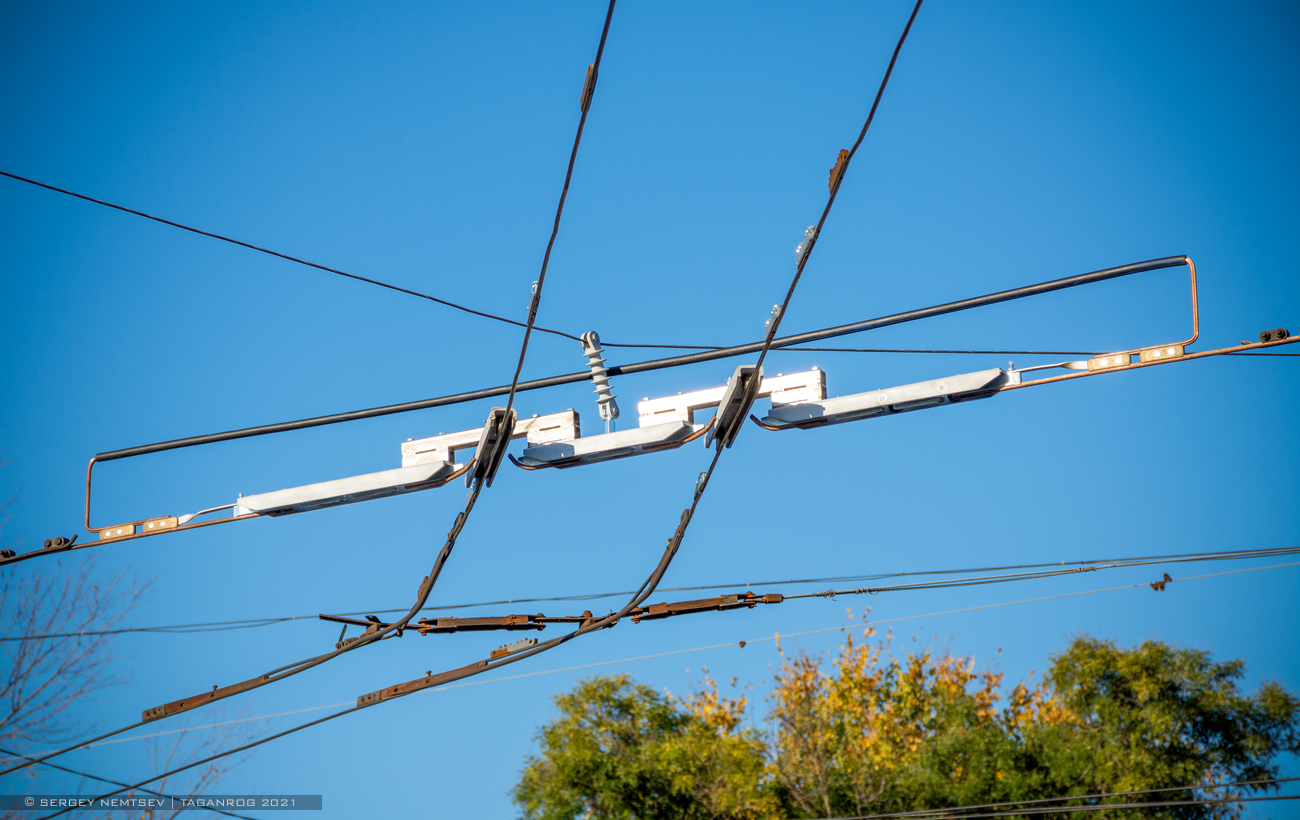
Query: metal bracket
[562,426]
[795,388]
[588,88]
[742,390]
[492,444]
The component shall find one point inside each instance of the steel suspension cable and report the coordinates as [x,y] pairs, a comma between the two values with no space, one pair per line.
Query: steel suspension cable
[674,543]
[655,364]
[842,168]
[426,586]
[120,783]
[589,88]
[467,673]
[254,623]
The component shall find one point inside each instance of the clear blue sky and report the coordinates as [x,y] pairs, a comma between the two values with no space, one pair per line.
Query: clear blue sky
[424,144]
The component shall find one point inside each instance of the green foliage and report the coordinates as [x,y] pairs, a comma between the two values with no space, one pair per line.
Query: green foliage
[1156,716]
[871,733]
[620,750]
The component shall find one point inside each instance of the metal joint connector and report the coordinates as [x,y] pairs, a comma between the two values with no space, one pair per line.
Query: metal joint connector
[588,88]
[837,171]
[492,445]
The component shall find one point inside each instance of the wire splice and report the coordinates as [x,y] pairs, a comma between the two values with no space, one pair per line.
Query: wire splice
[721,603]
[837,171]
[588,87]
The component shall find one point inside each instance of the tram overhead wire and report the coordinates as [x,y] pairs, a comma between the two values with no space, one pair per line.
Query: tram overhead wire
[352,709]
[117,783]
[481,469]
[654,364]
[724,438]
[254,623]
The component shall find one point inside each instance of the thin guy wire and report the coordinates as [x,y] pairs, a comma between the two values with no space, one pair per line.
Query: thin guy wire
[1095,807]
[120,783]
[517,323]
[675,542]
[713,646]
[427,585]
[728,644]
[279,255]
[454,305]
[998,579]
[936,814]
[253,623]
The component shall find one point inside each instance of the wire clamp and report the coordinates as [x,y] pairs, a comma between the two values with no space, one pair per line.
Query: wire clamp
[769,326]
[837,171]
[533,299]
[588,88]
[801,251]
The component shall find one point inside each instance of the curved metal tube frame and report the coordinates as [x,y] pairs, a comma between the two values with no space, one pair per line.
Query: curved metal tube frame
[1196,333]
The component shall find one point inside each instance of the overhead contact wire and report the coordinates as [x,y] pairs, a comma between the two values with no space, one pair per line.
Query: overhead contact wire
[350,710]
[835,189]
[674,543]
[944,812]
[254,623]
[592,79]
[426,586]
[120,783]
[732,644]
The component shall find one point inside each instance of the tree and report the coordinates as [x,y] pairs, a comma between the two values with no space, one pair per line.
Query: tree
[1156,716]
[871,733]
[54,657]
[620,750]
[44,676]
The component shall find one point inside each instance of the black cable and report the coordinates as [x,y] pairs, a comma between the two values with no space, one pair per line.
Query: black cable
[1000,579]
[467,672]
[589,88]
[253,623]
[284,256]
[517,323]
[276,675]
[674,543]
[842,167]
[654,364]
[120,783]
[939,813]
[1095,807]
[426,586]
